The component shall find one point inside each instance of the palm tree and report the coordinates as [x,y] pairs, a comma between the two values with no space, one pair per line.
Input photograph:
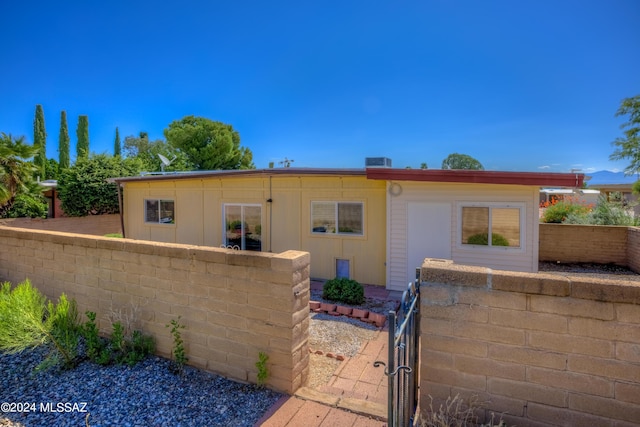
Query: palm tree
[16,171]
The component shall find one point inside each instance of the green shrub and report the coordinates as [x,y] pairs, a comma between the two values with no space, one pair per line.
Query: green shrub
[120,348]
[28,206]
[343,290]
[263,370]
[483,239]
[27,320]
[179,353]
[558,213]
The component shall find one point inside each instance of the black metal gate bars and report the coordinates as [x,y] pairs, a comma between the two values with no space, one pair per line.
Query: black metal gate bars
[404,355]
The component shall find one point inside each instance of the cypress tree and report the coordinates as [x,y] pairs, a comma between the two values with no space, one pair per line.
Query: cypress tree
[40,142]
[63,142]
[82,132]
[116,144]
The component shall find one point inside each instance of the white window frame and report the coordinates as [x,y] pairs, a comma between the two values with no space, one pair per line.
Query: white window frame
[336,219]
[241,206]
[493,205]
[160,200]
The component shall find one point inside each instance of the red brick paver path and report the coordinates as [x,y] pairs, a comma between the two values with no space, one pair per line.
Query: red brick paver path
[356,394]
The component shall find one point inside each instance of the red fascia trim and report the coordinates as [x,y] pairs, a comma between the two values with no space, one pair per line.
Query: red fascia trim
[478,177]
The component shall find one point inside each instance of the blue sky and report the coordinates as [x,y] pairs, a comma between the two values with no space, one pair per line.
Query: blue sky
[524,86]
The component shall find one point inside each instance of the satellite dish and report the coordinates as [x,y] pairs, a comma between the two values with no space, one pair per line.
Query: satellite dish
[165,161]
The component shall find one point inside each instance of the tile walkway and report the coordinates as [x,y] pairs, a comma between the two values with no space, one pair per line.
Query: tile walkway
[356,394]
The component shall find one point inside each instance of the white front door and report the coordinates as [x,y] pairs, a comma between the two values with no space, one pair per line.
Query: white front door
[428,234]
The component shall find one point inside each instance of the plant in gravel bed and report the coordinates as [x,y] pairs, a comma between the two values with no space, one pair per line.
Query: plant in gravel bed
[263,371]
[120,348]
[27,320]
[96,348]
[456,413]
[179,354]
[344,290]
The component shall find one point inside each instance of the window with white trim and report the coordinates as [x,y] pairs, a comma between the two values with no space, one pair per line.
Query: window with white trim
[243,226]
[337,218]
[502,222]
[159,211]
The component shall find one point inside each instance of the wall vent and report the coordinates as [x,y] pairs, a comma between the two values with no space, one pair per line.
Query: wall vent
[377,162]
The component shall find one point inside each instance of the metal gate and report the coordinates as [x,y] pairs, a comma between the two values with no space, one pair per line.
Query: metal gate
[404,354]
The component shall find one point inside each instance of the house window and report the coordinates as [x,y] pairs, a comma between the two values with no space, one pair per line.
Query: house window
[243,226]
[337,217]
[158,211]
[502,223]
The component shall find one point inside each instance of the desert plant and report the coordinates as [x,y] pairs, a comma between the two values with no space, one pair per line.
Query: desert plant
[93,342]
[456,413]
[263,371]
[27,320]
[558,212]
[121,347]
[140,346]
[483,239]
[179,353]
[344,290]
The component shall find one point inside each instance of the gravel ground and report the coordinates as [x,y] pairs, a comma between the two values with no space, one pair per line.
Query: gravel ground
[147,394]
[339,335]
[598,271]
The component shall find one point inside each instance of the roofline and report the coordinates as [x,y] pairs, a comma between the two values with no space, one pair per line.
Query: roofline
[478,177]
[388,174]
[242,172]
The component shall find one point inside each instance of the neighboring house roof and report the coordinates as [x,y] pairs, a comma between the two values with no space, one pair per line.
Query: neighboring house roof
[390,174]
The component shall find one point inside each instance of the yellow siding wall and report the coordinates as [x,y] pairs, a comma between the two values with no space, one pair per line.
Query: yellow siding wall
[286,221]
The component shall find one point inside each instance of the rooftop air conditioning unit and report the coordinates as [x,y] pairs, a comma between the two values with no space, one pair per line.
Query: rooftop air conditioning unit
[377,162]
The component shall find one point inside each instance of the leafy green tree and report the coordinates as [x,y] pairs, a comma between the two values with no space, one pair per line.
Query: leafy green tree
[147,152]
[63,142]
[628,147]
[40,141]
[52,169]
[16,172]
[82,132]
[83,188]
[461,161]
[117,145]
[209,145]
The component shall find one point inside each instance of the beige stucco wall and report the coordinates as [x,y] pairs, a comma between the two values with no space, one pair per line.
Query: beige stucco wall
[234,304]
[540,349]
[285,220]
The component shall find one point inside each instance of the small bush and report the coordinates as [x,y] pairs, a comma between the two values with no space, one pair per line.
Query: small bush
[28,206]
[119,348]
[343,290]
[482,239]
[179,353]
[28,320]
[558,212]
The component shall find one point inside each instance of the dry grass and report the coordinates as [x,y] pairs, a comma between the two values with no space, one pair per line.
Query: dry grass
[456,413]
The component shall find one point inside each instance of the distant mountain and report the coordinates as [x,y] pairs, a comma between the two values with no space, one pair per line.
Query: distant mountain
[608,177]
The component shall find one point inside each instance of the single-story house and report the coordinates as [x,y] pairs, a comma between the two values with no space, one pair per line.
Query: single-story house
[608,183]
[374,225]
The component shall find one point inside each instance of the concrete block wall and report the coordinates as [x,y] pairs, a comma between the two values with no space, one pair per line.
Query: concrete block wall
[234,304]
[540,349]
[633,248]
[97,225]
[583,243]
